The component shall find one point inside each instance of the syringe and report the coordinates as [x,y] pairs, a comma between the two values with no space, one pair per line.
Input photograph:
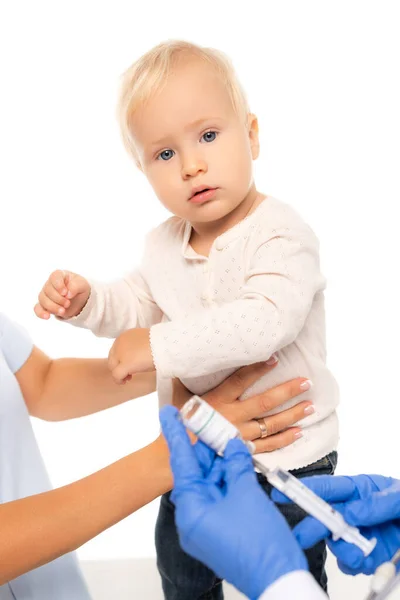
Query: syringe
[215,431]
[301,495]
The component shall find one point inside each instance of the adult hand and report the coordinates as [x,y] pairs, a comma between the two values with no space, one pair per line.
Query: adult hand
[369,502]
[280,428]
[224,518]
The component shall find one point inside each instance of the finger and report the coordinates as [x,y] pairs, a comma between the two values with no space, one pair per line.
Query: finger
[51,292]
[276,423]
[279,497]
[367,567]
[209,461]
[279,440]
[328,487]
[216,474]
[378,508]
[351,557]
[41,312]
[331,488]
[343,567]
[309,531]
[205,457]
[77,285]
[238,382]
[237,463]
[184,463]
[120,372]
[263,403]
[286,418]
[57,280]
[49,306]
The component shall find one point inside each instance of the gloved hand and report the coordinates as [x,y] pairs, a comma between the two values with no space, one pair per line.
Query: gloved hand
[224,518]
[369,502]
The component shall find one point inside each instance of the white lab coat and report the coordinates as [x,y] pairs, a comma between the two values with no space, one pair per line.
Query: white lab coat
[298,585]
[22,473]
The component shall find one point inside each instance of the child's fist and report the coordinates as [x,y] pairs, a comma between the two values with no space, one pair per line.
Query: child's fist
[130,354]
[64,294]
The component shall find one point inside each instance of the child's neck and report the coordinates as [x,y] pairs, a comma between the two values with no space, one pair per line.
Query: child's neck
[204,234]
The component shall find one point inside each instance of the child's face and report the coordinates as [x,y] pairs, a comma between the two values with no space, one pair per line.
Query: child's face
[189,138]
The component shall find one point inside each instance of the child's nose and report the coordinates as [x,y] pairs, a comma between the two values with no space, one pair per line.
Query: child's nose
[192,166]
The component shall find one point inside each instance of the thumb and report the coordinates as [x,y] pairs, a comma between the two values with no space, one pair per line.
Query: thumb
[309,532]
[379,508]
[58,280]
[76,284]
[237,462]
[184,463]
[329,488]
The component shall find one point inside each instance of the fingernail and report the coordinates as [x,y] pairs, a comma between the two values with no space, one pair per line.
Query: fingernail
[306,385]
[272,360]
[309,410]
[69,295]
[64,292]
[61,311]
[298,435]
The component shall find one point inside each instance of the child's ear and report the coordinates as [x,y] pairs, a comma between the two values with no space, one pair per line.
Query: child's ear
[252,127]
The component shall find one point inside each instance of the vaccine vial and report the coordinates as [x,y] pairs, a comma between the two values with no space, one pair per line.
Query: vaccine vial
[209,425]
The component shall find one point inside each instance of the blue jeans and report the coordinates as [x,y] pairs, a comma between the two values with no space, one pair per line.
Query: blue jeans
[184,578]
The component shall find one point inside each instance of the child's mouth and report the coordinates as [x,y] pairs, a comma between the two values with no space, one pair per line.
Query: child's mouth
[203,195]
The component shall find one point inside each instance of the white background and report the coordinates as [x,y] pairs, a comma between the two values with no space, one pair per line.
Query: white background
[323,77]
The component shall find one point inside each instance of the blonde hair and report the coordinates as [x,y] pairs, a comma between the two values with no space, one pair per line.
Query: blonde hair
[149,74]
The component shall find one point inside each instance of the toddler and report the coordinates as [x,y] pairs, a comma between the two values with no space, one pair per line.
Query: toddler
[233,278]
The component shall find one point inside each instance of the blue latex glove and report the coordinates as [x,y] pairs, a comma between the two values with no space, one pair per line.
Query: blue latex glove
[369,502]
[225,519]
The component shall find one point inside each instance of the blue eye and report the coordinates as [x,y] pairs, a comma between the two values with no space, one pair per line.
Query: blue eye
[209,136]
[166,154]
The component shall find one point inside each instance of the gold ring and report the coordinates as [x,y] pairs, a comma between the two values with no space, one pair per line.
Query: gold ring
[263,428]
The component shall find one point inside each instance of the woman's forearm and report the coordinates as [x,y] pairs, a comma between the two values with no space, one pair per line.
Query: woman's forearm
[38,529]
[78,387]
[55,390]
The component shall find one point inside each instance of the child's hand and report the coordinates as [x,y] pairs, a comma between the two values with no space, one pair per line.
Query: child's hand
[130,354]
[64,294]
